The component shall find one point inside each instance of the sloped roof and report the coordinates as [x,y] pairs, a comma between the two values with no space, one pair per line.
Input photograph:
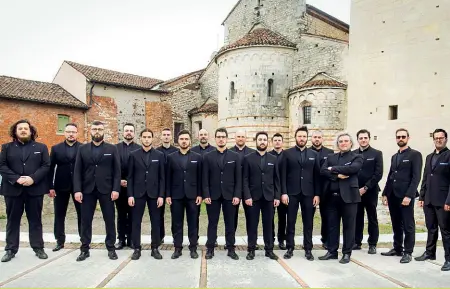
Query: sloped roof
[320,80]
[175,80]
[205,108]
[37,91]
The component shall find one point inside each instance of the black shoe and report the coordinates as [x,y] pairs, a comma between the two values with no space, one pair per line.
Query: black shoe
[425,256]
[177,253]
[356,247]
[58,247]
[155,254]
[289,253]
[250,255]
[83,256]
[446,266]
[41,254]
[328,256]
[281,245]
[112,255]
[406,258]
[271,255]
[209,254]
[8,256]
[372,250]
[120,245]
[392,252]
[345,259]
[232,255]
[136,254]
[194,254]
[308,255]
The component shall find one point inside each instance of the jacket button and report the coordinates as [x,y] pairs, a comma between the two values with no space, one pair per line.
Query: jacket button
[301,178]
[221,173]
[146,172]
[263,183]
[184,180]
[431,174]
[184,171]
[96,166]
[221,182]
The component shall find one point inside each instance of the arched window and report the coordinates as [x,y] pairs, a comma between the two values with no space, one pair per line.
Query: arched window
[270,87]
[232,90]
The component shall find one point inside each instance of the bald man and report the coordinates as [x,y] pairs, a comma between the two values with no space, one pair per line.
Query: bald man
[204,146]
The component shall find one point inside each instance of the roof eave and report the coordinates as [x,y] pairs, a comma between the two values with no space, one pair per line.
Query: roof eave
[249,46]
[84,107]
[300,89]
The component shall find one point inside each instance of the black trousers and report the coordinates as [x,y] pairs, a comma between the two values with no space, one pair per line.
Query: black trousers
[236,217]
[14,211]
[267,210]
[306,204]
[123,216]
[177,210]
[324,227]
[282,221]
[162,228]
[229,215]
[155,221]
[369,202]
[337,209]
[60,204]
[402,218]
[88,206]
[437,218]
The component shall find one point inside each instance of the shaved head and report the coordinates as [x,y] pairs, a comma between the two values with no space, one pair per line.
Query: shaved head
[240,138]
[203,136]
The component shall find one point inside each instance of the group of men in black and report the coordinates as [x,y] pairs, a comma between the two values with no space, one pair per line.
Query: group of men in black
[343,184]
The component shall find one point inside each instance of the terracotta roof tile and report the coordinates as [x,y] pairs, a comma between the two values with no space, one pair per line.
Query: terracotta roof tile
[320,82]
[36,91]
[206,108]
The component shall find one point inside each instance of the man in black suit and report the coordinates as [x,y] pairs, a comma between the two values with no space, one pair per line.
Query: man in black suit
[97,178]
[342,191]
[300,176]
[399,194]
[184,193]
[146,186]
[123,209]
[166,148]
[24,166]
[368,178]
[277,143]
[63,157]
[222,188]
[323,153]
[261,194]
[204,146]
[435,198]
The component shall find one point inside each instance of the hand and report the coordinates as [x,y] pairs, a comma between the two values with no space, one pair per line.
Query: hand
[330,168]
[21,180]
[420,204]
[384,200]
[249,202]
[207,201]
[285,199]
[169,201]
[28,181]
[447,207]
[131,201]
[316,201]
[362,191]
[159,202]
[52,193]
[276,203]
[123,183]
[342,177]
[406,201]
[114,195]
[236,201]
[198,201]
[78,197]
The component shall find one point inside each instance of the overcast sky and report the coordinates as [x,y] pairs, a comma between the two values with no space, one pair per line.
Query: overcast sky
[155,38]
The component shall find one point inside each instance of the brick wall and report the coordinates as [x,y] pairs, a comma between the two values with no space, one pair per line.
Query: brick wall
[158,116]
[104,109]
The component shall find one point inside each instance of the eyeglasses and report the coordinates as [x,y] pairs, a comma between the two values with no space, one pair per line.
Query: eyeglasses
[439,138]
[401,137]
[363,137]
[97,129]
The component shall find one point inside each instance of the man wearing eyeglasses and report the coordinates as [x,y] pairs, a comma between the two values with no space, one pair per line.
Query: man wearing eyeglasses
[435,198]
[399,194]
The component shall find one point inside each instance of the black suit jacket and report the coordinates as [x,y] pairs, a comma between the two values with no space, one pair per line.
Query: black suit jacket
[65,166]
[222,179]
[404,178]
[298,177]
[261,182]
[371,171]
[348,164]
[124,157]
[242,153]
[103,173]
[184,182]
[36,165]
[198,149]
[435,188]
[146,179]
[323,154]
[167,151]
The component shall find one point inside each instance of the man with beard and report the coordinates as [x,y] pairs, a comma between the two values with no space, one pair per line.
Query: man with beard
[184,193]
[24,167]
[341,188]
[300,175]
[277,143]
[166,148]
[399,194]
[146,186]
[368,178]
[261,194]
[204,146]
[97,178]
[63,157]
[222,188]
[435,198]
[123,210]
[323,153]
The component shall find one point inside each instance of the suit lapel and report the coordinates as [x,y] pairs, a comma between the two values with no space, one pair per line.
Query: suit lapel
[143,156]
[218,160]
[27,155]
[438,159]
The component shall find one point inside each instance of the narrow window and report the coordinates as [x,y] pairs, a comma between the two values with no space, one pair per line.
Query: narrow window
[270,87]
[393,112]
[62,121]
[232,90]
[179,126]
[306,115]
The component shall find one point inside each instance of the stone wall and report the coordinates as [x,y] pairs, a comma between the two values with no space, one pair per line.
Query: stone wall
[209,82]
[319,27]
[209,122]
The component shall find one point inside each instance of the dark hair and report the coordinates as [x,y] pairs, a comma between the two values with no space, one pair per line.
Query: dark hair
[184,131]
[97,122]
[302,128]
[71,124]
[261,133]
[277,135]
[362,131]
[440,130]
[128,124]
[402,129]
[167,129]
[146,130]
[13,129]
[221,129]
